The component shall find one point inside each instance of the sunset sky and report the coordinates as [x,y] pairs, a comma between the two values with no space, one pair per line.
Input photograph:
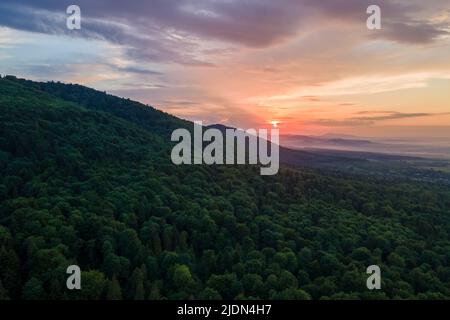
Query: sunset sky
[313,66]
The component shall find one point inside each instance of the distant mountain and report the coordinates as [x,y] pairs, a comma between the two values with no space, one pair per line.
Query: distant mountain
[403,147]
[220,127]
[339,136]
[301,141]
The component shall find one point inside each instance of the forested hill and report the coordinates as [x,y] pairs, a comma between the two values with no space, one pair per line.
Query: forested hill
[142,115]
[86,180]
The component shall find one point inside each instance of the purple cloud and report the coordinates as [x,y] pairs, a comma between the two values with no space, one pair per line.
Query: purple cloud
[146,28]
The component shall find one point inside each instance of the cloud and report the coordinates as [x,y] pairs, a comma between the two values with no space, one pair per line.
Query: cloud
[374,112]
[372,84]
[143,41]
[411,32]
[131,69]
[375,116]
[180,30]
[253,22]
[311,98]
[389,115]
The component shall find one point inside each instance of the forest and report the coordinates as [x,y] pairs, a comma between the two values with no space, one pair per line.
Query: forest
[86,180]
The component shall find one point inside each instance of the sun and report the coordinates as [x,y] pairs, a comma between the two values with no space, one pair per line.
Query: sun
[274,123]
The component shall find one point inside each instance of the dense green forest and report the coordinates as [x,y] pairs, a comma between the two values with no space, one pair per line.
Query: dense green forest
[86,179]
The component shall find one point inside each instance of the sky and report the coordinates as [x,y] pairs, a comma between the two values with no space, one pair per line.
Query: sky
[312,67]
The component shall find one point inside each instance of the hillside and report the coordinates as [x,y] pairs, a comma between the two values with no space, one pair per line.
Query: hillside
[86,179]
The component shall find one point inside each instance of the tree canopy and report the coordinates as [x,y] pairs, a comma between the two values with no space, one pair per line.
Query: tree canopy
[86,180]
